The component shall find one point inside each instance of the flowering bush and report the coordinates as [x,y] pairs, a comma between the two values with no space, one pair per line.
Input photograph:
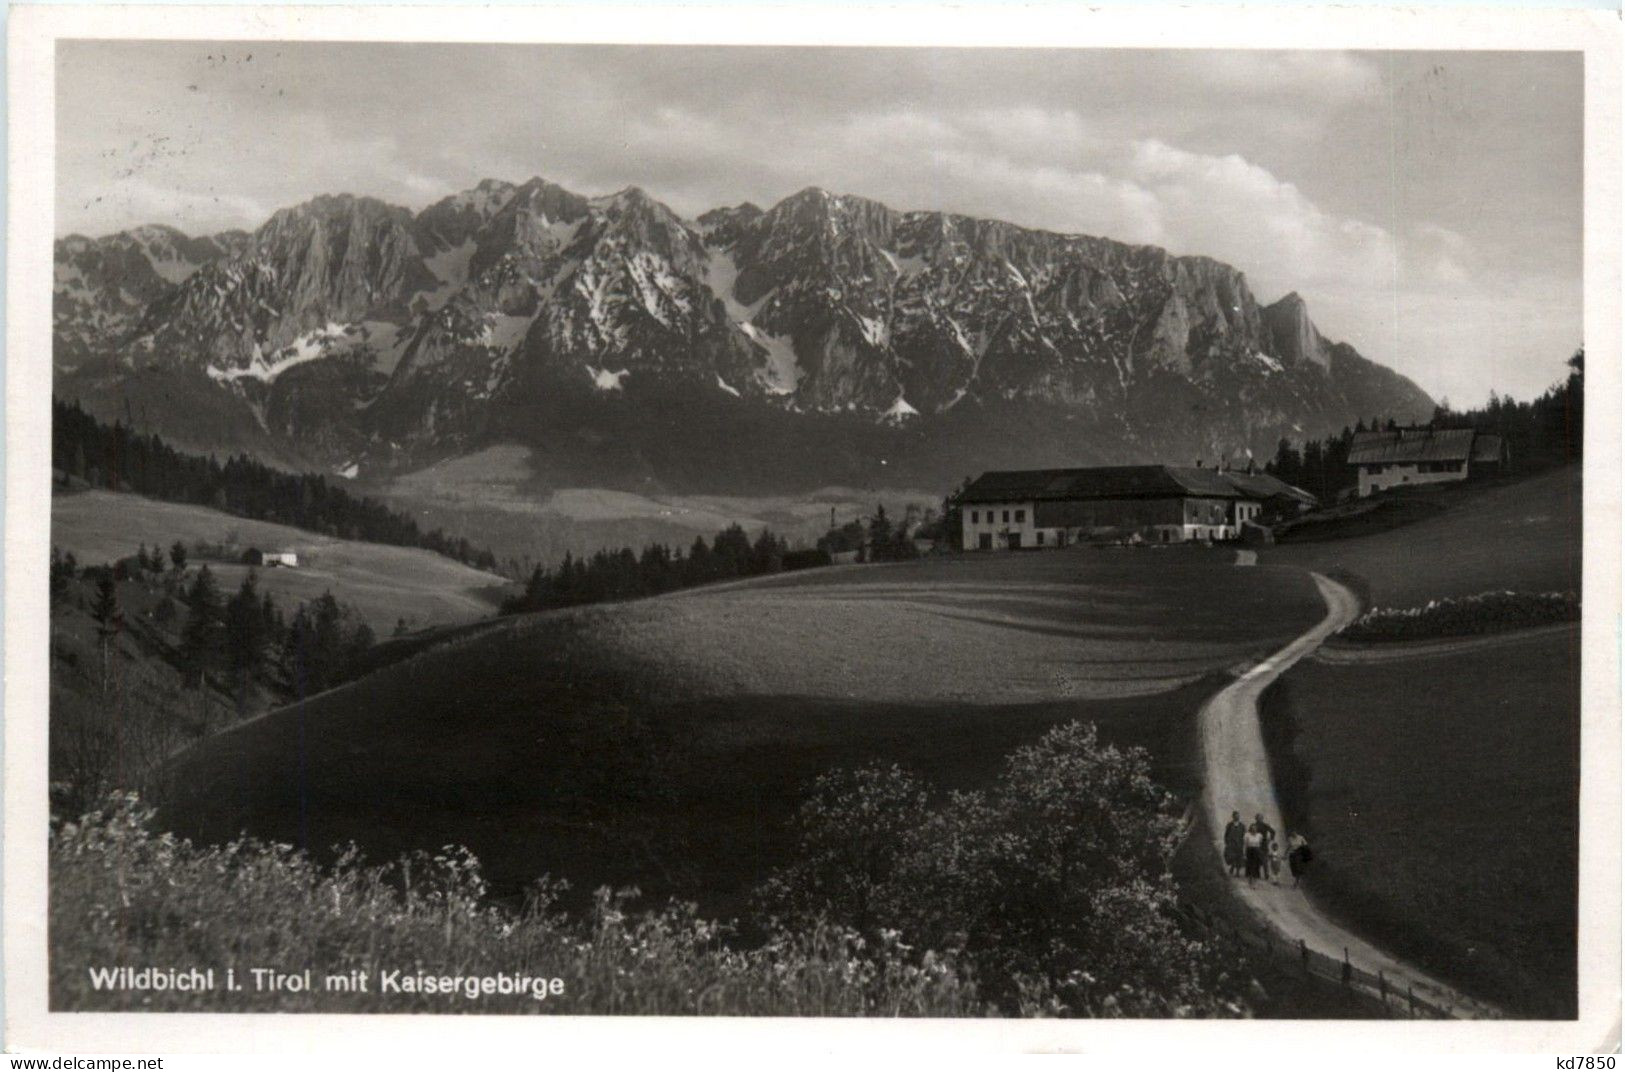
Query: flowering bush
[122,896]
[1053,884]
[1488,612]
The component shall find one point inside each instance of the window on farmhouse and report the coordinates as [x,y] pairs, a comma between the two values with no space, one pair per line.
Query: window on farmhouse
[1007,517]
[1021,516]
[973,517]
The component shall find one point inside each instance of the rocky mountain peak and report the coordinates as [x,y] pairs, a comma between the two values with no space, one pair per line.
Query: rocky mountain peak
[451,221]
[435,332]
[1293,335]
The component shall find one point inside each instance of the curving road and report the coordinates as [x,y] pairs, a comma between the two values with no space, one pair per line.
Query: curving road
[1238,779]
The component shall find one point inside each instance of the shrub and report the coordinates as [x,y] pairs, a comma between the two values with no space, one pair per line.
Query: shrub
[1488,612]
[1053,885]
[121,895]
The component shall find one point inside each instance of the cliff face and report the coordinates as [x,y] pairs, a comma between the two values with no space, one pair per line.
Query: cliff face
[516,311]
[1293,335]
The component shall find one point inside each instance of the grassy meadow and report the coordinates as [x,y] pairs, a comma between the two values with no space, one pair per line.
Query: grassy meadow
[664,743]
[1441,794]
[1440,787]
[1461,540]
[383,583]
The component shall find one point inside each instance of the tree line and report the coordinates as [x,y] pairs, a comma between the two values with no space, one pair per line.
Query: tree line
[1539,434]
[236,639]
[117,457]
[231,653]
[876,538]
[607,576]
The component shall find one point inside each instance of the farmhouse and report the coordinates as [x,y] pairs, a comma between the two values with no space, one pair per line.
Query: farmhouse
[1156,503]
[255,557]
[1401,457]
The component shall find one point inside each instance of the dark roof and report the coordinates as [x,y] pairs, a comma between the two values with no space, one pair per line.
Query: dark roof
[1265,486]
[1411,445]
[1122,482]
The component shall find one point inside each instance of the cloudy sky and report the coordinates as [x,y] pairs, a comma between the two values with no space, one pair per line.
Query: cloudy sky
[1426,205]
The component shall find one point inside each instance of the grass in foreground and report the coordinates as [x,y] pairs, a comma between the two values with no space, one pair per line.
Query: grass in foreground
[122,896]
[1050,890]
[1441,794]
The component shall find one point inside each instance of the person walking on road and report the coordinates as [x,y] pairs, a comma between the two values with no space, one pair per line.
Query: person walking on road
[1235,835]
[1253,847]
[1298,856]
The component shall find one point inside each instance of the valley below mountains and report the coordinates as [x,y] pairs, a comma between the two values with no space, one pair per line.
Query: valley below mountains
[827,340]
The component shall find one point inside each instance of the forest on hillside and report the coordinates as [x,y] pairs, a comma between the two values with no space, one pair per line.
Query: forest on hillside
[118,458]
[1545,432]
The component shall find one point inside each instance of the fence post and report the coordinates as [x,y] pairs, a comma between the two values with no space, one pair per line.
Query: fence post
[1382,989]
[1303,952]
[1348,969]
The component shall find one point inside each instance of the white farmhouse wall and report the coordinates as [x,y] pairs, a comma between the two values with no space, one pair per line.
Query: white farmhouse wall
[1374,478]
[999,521]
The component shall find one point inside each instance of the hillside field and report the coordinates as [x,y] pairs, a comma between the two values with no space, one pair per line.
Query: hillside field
[1441,794]
[665,742]
[1439,782]
[1523,535]
[383,583]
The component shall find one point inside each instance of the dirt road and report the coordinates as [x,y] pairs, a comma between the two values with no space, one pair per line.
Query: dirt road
[1238,779]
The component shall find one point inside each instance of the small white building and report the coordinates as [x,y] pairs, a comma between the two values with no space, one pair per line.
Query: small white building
[1404,457]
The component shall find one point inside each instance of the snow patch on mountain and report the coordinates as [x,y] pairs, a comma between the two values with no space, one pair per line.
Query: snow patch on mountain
[659,289]
[310,346]
[172,271]
[721,272]
[504,332]
[900,411]
[781,374]
[874,329]
[563,232]
[605,380]
[722,383]
[912,265]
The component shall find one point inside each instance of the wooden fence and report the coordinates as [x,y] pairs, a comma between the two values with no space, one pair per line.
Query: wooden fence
[1395,998]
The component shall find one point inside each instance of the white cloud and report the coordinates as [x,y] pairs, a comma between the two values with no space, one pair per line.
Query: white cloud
[1234,210]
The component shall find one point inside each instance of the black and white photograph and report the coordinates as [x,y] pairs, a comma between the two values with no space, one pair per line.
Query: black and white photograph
[788,529]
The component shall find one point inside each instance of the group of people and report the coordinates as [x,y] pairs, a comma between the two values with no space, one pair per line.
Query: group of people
[1251,849]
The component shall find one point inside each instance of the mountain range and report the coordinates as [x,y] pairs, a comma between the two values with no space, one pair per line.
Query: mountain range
[828,339]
